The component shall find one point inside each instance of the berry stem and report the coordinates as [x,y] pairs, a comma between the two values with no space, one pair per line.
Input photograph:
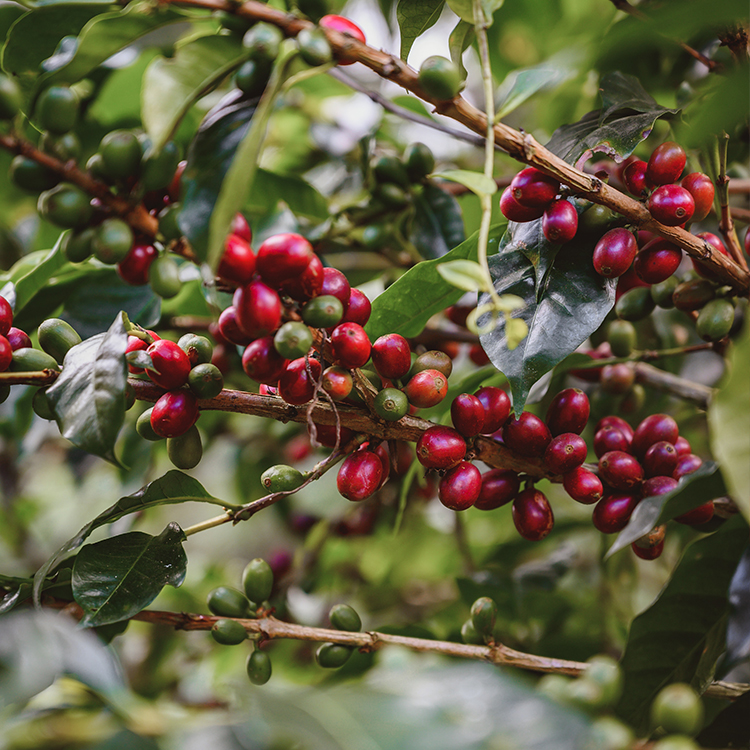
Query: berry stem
[722,192]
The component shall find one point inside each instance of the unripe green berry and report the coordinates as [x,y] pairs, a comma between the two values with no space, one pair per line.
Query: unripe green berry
[605,672]
[419,161]
[164,277]
[293,340]
[483,614]
[65,205]
[259,667]
[440,77]
[185,451]
[662,292]
[555,686]
[57,337]
[391,404]
[677,709]
[113,241]
[344,617]
[281,478]
[470,635]
[263,41]
[609,734]
[78,246]
[143,426]
[314,48]
[56,109]
[198,348]
[228,632]
[715,320]
[11,98]
[41,406]
[323,312]
[621,336]
[32,360]
[228,602]
[257,580]
[332,655]
[206,381]
[121,154]
[635,304]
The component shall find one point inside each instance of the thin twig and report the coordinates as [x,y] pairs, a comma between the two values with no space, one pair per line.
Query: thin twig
[726,225]
[662,380]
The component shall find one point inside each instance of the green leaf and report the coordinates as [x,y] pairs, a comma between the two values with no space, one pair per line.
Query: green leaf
[476,181]
[666,641]
[116,578]
[172,85]
[463,274]
[728,419]
[437,225]
[738,627]
[38,276]
[464,9]
[407,305]
[414,18]
[303,199]
[693,490]
[459,41]
[89,396]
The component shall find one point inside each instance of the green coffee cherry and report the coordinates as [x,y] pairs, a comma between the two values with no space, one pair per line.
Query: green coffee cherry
[157,169]
[232,21]
[693,295]
[168,225]
[129,397]
[635,304]
[440,77]
[65,147]
[11,98]
[198,348]
[143,426]
[662,293]
[31,176]
[432,360]
[555,686]
[344,617]
[112,241]
[95,167]
[391,404]
[259,667]
[621,336]
[605,672]
[32,360]
[252,77]
[419,161]
[41,406]
[164,277]
[609,734]
[57,337]
[281,478]
[228,632]
[56,109]
[389,169]
[228,602]
[391,195]
[65,205]
[206,381]
[483,614]
[469,634]
[375,236]
[185,451]
[323,312]
[121,154]
[634,400]
[595,221]
[257,580]
[293,340]
[78,246]
[586,695]
[314,48]
[262,42]
[715,320]
[677,709]
[332,655]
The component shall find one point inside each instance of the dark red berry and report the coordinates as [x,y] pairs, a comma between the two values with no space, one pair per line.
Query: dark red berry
[350,345]
[307,285]
[230,330]
[478,355]
[426,389]
[682,446]
[560,221]
[565,452]
[325,434]
[460,486]
[610,438]
[666,164]
[6,354]
[617,422]
[337,382]
[514,211]
[651,430]
[533,188]
[174,413]
[133,268]
[258,309]
[613,512]
[262,363]
[440,448]
[385,460]
[527,435]
[620,470]
[391,356]
[657,261]
[499,487]
[702,269]
[660,459]
[532,515]
[296,385]
[634,177]
[19,339]
[698,516]
[6,316]
[658,486]
[650,546]
[496,405]
[282,257]
[671,205]
[583,486]
[617,379]
[337,285]
[241,228]
[614,252]
[171,363]
[686,465]
[358,309]
[467,414]
[568,412]
[237,264]
[699,185]
[360,475]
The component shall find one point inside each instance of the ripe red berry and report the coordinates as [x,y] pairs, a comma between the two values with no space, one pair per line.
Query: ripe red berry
[499,487]
[459,488]
[229,328]
[686,465]
[617,422]
[350,345]
[262,363]
[565,452]
[612,512]
[614,252]
[699,185]
[560,221]
[467,414]
[698,516]
[702,269]
[6,354]
[427,388]
[671,205]
[6,316]
[345,26]
[440,448]
[658,486]
[533,188]
[171,363]
[19,339]
[358,308]
[617,379]
[682,446]
[620,470]
[657,261]
[660,459]
[282,257]
[496,405]
[325,434]
[568,412]
[514,211]
[258,309]
[650,546]
[532,515]
[527,435]
[651,430]
[307,285]
[241,228]
[174,413]
[237,264]
[360,475]
[391,356]
[666,164]
[296,385]
[610,438]
[133,268]
[634,177]
[583,486]
[337,285]
[478,355]
[337,382]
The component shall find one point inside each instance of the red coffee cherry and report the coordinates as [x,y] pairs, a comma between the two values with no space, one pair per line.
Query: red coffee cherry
[568,412]
[337,285]
[660,459]
[440,448]
[530,187]
[171,363]
[499,487]
[614,252]
[174,413]
[344,26]
[702,269]
[325,434]
[650,546]
[686,465]
[612,512]
[583,486]
[133,268]
[433,360]
[262,363]
[385,460]
[532,515]
[337,382]
[6,354]
[282,257]
[698,516]
[391,356]
[620,470]
[358,309]
[657,261]
[565,452]
[350,345]
[651,430]
[241,228]
[459,488]
[657,486]
[666,164]
[229,328]
[19,339]
[560,221]
[467,414]
[307,285]
[682,446]
[699,185]
[296,386]
[610,438]
[514,211]
[527,435]
[426,389]
[237,264]
[616,422]
[258,309]
[671,205]
[634,177]
[6,316]
[360,475]
[617,379]
[496,405]
[134,345]
[478,355]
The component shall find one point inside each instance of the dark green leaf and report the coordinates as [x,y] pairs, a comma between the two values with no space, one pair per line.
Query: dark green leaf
[407,305]
[116,578]
[89,396]
[666,641]
[693,490]
[438,225]
[738,628]
[302,198]
[414,18]
[37,277]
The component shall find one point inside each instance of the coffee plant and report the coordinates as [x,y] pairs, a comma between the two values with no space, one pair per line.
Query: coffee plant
[431,360]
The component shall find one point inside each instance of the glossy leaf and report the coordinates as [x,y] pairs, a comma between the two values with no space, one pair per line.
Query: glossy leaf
[171,85]
[116,578]
[38,276]
[477,182]
[407,305]
[693,490]
[414,18]
[301,197]
[89,396]
[665,642]
[437,225]
[738,627]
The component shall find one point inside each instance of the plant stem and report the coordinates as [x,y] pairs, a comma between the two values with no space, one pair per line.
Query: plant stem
[726,225]
[209,524]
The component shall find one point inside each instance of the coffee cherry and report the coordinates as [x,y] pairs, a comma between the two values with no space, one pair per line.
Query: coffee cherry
[651,430]
[32,360]
[391,356]
[658,486]
[262,363]
[314,48]
[460,486]
[257,580]
[11,98]
[660,459]
[682,446]
[583,486]
[343,26]
[650,546]
[389,169]
[533,188]
[391,404]
[499,487]
[258,309]
[527,435]
[433,360]
[635,304]
[17,338]
[66,206]
[560,221]
[621,336]
[174,413]
[350,345]
[568,412]
[229,328]
[715,320]
[678,709]
[419,161]
[198,348]
[693,295]
[666,164]
[612,512]
[514,211]
[468,415]
[662,292]
[206,381]
[440,448]
[614,252]
[698,516]
[185,451]
[57,337]
[336,285]
[620,470]
[671,205]
[30,175]
[6,354]
[343,617]
[337,382]
[259,667]
[326,435]
[358,309]
[112,244]
[332,655]
[426,389]
[634,177]
[225,601]
[164,277]
[360,475]
[701,188]
[143,426]
[657,261]
[686,464]
[56,109]
[41,406]
[171,363]
[228,632]
[296,386]
[565,452]
[483,615]
[610,438]
[307,285]
[496,405]
[440,77]
[293,340]
[281,478]
[121,154]
[532,515]
[237,263]
[282,257]
[252,77]
[325,311]
[703,269]
[134,267]
[617,379]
